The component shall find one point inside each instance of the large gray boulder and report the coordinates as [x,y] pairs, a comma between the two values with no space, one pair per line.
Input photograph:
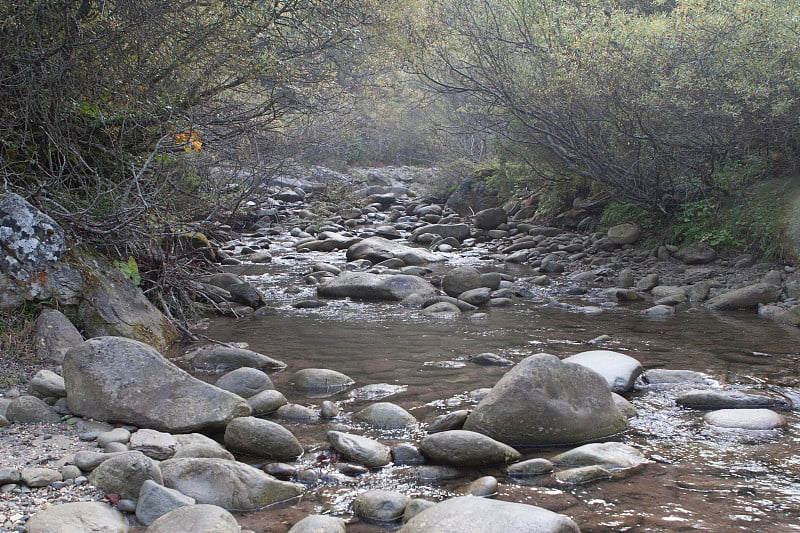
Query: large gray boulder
[54,335]
[544,401]
[368,286]
[31,265]
[78,516]
[745,297]
[122,380]
[262,438]
[469,514]
[377,249]
[618,369]
[201,518]
[125,473]
[112,305]
[466,448]
[229,484]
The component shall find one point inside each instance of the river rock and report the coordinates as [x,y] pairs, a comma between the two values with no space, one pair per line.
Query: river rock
[154,444]
[198,445]
[610,455]
[696,254]
[39,477]
[490,359]
[385,415]
[626,233]
[48,384]
[543,400]
[120,435]
[531,467]
[726,399]
[753,419]
[665,377]
[320,381]
[30,410]
[78,517]
[229,484]
[491,218]
[482,487]
[220,358]
[659,311]
[414,507]
[319,524]
[461,279]
[262,438]
[619,370]
[156,500]
[477,297]
[466,448]
[245,293]
[54,335]
[266,402]
[376,391]
[125,473]
[380,505]
[358,449]
[583,474]
[118,379]
[378,249]
[468,514]
[405,453]
[294,412]
[375,287]
[446,422]
[197,519]
[245,382]
[441,310]
[745,297]
[33,245]
[456,231]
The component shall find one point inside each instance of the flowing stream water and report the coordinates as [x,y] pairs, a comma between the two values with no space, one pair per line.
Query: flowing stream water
[698,478]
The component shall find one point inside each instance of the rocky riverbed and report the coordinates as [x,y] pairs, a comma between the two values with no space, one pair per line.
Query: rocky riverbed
[391,362]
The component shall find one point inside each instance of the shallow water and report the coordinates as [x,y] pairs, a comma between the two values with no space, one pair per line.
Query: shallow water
[698,479]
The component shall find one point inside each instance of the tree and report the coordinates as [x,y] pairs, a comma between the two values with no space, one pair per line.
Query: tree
[107,108]
[649,102]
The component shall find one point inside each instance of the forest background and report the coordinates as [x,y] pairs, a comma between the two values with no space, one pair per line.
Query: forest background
[133,122]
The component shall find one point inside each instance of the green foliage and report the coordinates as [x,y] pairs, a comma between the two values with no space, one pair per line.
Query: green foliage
[618,213]
[754,220]
[131,269]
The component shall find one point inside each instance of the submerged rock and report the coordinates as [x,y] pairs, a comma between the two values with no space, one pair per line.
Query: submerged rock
[367,286]
[543,400]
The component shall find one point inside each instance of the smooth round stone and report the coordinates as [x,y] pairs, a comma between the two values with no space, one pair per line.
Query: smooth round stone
[446,422]
[266,402]
[659,311]
[202,518]
[466,448]
[262,438]
[435,473]
[442,309]
[490,359]
[611,455]
[720,399]
[531,467]
[319,524]
[293,412]
[358,449]
[753,419]
[618,369]
[584,474]
[380,505]
[406,453]
[328,409]
[483,486]
[245,382]
[320,381]
[40,477]
[386,415]
[78,516]
[414,507]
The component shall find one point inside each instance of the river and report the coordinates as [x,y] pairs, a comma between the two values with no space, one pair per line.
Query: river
[698,478]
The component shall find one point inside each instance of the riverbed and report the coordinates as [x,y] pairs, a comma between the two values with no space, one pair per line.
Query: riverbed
[697,478]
